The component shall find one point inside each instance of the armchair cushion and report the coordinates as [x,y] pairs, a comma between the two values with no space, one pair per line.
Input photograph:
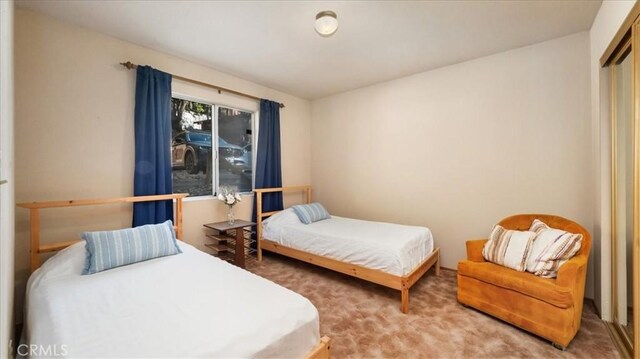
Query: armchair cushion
[545,289]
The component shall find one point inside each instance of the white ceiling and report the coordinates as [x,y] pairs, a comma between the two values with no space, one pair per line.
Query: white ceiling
[273,43]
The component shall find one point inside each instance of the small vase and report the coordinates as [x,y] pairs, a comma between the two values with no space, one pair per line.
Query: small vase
[230,219]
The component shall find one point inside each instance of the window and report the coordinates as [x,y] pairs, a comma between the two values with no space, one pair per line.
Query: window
[211,147]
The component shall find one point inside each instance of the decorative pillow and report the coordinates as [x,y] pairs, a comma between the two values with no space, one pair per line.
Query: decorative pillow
[309,213]
[508,248]
[551,249]
[110,249]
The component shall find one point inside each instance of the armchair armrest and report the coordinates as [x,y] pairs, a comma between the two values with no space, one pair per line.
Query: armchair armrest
[573,272]
[474,250]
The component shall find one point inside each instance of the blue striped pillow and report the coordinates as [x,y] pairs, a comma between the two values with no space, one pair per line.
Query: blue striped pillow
[309,213]
[110,249]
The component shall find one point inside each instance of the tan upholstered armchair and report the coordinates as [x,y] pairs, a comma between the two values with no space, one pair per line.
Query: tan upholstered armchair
[548,307]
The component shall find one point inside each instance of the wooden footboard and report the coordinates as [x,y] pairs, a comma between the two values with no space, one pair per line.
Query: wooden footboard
[322,351]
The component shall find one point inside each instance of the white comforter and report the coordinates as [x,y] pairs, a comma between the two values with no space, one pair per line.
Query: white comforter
[392,248]
[186,305]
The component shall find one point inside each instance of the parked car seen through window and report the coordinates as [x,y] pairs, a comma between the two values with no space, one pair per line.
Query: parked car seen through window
[195,167]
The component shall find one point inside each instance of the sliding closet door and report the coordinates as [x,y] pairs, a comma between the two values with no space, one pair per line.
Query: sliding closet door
[623,60]
[623,194]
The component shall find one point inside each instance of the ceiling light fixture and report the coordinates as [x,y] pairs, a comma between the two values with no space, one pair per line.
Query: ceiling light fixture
[326,23]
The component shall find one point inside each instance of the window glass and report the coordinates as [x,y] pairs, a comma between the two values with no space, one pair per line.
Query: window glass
[234,146]
[195,168]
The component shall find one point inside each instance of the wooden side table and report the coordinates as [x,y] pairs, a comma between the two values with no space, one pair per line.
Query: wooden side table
[223,238]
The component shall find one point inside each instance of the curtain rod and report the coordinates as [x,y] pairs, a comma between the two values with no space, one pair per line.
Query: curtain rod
[129,65]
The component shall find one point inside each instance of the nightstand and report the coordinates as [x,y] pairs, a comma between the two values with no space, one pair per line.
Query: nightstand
[229,240]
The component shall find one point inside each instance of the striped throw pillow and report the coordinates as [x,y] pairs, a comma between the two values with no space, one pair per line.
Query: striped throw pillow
[111,249]
[551,249]
[508,248]
[309,213]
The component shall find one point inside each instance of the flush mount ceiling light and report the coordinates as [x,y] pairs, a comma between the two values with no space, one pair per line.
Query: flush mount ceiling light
[326,23]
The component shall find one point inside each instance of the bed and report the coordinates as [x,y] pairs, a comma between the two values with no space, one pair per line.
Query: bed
[392,255]
[184,305]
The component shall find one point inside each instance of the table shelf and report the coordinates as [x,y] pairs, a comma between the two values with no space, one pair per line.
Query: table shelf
[218,239]
[217,248]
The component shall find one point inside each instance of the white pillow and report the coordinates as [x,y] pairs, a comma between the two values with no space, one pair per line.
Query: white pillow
[273,226]
[551,249]
[508,248]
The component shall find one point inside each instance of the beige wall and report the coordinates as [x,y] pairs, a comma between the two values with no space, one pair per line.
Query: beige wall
[458,148]
[606,24]
[74,128]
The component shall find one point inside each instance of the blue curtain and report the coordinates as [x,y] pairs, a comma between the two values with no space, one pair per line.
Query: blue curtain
[153,139]
[268,163]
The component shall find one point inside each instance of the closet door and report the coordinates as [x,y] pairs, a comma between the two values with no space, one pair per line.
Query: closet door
[624,71]
[622,59]
[623,195]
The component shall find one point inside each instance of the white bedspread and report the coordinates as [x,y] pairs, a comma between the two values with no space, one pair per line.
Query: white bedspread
[186,305]
[392,248]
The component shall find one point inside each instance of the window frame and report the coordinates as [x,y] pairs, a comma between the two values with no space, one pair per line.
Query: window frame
[214,143]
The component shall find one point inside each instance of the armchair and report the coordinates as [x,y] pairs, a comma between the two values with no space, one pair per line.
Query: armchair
[548,307]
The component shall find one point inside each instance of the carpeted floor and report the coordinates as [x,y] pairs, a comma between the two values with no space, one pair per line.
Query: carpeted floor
[364,320]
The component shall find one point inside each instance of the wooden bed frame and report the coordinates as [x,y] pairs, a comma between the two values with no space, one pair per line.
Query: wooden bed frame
[401,283]
[321,351]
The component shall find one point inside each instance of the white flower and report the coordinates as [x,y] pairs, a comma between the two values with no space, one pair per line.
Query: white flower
[221,196]
[238,198]
[230,199]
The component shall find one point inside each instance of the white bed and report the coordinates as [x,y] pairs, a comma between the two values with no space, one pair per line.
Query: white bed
[392,255]
[185,305]
[392,248]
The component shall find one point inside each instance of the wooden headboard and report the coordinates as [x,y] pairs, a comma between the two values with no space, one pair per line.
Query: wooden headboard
[260,215]
[34,210]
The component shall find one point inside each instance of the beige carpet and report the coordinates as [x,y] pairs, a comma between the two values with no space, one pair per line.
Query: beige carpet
[364,320]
